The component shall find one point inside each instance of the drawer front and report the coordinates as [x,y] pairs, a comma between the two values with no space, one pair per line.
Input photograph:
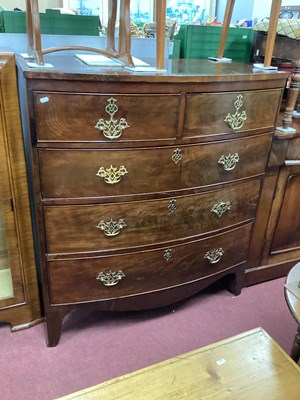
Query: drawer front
[85,117]
[95,173]
[136,273]
[225,161]
[75,229]
[211,113]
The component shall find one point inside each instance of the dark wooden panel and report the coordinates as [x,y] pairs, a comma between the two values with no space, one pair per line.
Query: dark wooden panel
[76,280]
[73,117]
[287,233]
[205,113]
[264,207]
[73,229]
[264,273]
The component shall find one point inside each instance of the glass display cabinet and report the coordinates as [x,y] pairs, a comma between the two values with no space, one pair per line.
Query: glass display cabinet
[19,297]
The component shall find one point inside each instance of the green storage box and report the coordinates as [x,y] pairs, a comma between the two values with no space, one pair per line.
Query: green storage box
[52,22]
[197,41]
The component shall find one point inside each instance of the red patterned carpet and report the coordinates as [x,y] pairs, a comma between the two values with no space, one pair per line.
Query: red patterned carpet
[97,346]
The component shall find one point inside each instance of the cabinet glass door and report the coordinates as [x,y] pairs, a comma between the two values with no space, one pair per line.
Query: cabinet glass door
[6,285]
[11,279]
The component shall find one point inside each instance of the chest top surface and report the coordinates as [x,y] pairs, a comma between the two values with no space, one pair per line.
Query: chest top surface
[69,67]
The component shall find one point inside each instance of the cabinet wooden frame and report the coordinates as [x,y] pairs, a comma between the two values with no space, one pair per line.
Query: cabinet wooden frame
[278,215]
[22,310]
[284,210]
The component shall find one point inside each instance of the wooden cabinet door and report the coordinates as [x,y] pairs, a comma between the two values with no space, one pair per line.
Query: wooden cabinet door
[281,244]
[287,229]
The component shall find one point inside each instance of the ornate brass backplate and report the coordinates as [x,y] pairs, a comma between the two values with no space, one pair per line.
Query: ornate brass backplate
[112,175]
[236,121]
[214,255]
[229,162]
[221,207]
[110,278]
[112,128]
[111,228]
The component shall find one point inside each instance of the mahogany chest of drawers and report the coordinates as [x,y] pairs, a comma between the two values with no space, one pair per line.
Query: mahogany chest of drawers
[144,186]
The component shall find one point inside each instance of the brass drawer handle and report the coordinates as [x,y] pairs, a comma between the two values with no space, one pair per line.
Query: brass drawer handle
[236,121]
[214,255]
[112,174]
[110,278]
[172,206]
[111,228]
[176,157]
[112,128]
[168,254]
[229,162]
[221,208]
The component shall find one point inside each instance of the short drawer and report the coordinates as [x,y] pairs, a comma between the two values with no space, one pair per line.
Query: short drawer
[216,113]
[229,160]
[108,118]
[94,228]
[96,173]
[83,280]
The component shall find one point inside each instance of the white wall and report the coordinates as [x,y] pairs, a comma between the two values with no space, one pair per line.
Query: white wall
[241,10]
[262,9]
[250,9]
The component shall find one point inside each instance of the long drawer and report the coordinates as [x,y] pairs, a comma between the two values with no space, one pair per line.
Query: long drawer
[95,117]
[89,279]
[95,173]
[92,228]
[212,113]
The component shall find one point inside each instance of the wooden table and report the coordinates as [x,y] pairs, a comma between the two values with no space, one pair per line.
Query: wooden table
[292,292]
[245,367]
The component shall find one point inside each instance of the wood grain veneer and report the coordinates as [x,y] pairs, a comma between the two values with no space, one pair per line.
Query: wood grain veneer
[219,371]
